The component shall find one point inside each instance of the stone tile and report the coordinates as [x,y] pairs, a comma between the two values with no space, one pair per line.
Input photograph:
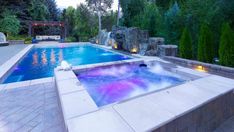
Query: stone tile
[222,80]
[78,103]
[143,115]
[25,108]
[43,80]
[191,71]
[105,120]
[69,86]
[17,85]
[213,85]
[38,128]
[63,75]
[172,102]
[2,86]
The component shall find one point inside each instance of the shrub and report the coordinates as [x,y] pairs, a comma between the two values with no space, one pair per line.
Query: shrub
[185,46]
[9,24]
[206,45]
[70,39]
[226,46]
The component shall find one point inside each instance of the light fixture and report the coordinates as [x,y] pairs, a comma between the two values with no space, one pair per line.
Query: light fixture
[200,68]
[97,41]
[134,50]
[115,45]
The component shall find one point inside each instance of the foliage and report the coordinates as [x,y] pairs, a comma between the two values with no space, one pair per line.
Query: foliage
[131,9]
[9,24]
[27,40]
[205,45]
[173,24]
[52,10]
[185,46]
[109,19]
[100,7]
[149,19]
[226,49]
[70,39]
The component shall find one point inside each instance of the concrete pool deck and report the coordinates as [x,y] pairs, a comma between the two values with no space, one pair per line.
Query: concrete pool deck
[34,106]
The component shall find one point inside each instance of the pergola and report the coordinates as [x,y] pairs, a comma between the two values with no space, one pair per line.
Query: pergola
[33,24]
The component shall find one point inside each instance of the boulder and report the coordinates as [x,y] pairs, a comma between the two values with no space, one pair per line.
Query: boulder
[167,50]
[130,39]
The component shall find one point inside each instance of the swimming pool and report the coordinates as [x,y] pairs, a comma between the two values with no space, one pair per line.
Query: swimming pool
[41,61]
[112,84]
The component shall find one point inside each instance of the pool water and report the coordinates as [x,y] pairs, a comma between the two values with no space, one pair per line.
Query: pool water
[113,84]
[40,62]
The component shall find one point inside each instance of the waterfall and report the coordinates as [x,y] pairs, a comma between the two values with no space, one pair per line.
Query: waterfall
[108,39]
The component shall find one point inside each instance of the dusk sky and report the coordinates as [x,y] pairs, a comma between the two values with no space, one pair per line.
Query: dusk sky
[74,3]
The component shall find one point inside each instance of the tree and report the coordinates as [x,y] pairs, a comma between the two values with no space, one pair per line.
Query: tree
[196,12]
[99,6]
[205,45]
[226,47]
[185,46]
[9,24]
[173,24]
[52,9]
[70,18]
[131,9]
[149,19]
[85,24]
[39,11]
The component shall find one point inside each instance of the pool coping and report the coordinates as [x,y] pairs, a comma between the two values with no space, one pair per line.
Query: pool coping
[71,88]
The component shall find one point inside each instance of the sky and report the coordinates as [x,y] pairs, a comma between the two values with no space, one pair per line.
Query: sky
[74,3]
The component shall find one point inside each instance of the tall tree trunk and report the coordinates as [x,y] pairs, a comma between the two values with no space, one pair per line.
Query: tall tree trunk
[99,21]
[118,14]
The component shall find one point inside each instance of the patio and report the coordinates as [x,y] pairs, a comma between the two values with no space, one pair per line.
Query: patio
[31,108]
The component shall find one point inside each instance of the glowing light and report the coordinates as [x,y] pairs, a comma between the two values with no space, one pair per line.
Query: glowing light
[115,46]
[97,41]
[134,50]
[200,68]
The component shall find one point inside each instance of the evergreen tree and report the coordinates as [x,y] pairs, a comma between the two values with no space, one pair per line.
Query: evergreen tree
[226,47]
[206,51]
[52,9]
[185,46]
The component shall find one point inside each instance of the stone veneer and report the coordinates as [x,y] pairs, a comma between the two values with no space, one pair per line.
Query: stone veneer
[213,68]
[205,118]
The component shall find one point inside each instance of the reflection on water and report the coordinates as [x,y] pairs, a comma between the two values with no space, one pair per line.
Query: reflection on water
[43,57]
[35,58]
[52,57]
[60,55]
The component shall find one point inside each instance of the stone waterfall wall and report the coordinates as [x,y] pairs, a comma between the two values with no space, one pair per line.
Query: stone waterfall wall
[130,38]
[135,40]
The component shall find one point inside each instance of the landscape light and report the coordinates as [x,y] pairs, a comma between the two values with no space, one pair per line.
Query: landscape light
[134,50]
[200,68]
